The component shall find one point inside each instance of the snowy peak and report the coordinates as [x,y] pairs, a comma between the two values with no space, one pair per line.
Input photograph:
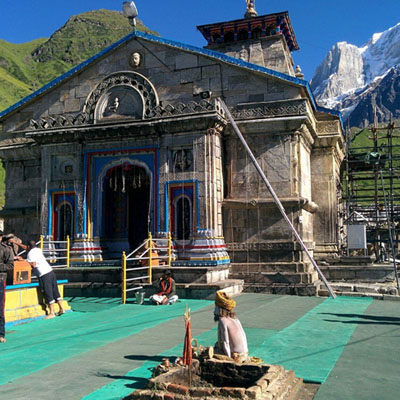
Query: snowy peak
[340,72]
[349,72]
[381,52]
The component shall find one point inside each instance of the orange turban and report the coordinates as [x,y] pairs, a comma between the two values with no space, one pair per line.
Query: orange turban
[223,300]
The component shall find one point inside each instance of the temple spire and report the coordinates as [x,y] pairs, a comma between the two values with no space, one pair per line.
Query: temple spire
[251,10]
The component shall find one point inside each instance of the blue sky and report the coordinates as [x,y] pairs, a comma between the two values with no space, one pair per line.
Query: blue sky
[318,24]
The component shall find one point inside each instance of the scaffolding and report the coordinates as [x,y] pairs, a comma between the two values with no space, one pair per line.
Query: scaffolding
[372,188]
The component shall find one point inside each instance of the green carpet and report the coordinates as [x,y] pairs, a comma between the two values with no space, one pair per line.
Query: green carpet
[312,345]
[369,366]
[43,343]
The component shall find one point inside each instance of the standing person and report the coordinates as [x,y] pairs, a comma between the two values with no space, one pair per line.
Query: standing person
[232,339]
[6,264]
[167,293]
[47,278]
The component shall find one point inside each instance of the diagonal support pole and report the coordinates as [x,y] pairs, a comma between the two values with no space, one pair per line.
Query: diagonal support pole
[275,197]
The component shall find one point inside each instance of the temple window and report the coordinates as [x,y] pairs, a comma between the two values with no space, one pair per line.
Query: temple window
[243,34]
[183,214]
[65,221]
[229,37]
[216,38]
[256,33]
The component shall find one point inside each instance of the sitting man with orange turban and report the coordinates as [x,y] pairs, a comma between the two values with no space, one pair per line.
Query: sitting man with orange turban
[232,339]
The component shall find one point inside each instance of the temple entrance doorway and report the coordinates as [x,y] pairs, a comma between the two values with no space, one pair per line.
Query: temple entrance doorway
[126,208]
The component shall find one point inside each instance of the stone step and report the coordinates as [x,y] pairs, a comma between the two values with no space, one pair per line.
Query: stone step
[284,385]
[293,389]
[270,267]
[306,391]
[184,290]
[275,277]
[378,291]
[352,273]
[281,288]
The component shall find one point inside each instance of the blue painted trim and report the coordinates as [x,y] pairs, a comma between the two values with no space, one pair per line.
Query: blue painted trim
[188,263]
[50,203]
[166,207]
[31,285]
[67,75]
[156,176]
[166,200]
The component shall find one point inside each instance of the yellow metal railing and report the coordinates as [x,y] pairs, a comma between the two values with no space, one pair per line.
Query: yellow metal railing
[56,252]
[145,255]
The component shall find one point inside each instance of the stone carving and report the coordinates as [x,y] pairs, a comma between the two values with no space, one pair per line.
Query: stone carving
[262,110]
[243,54]
[114,106]
[157,111]
[63,167]
[135,59]
[328,127]
[182,160]
[130,84]
[259,246]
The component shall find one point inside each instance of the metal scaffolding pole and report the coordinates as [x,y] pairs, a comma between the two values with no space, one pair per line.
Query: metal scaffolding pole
[275,197]
[389,222]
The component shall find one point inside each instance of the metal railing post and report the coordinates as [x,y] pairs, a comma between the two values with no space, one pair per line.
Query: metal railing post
[41,242]
[123,278]
[169,249]
[150,256]
[68,250]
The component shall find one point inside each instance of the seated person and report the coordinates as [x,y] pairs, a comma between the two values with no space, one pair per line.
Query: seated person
[232,340]
[167,293]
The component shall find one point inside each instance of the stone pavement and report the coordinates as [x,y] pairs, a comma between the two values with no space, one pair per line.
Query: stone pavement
[105,350]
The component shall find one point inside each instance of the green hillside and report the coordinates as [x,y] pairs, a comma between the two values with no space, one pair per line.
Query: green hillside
[26,67]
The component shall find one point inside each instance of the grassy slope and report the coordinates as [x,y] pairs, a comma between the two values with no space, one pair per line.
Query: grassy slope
[26,67]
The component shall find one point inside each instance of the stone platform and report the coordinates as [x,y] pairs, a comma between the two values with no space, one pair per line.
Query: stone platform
[191,282]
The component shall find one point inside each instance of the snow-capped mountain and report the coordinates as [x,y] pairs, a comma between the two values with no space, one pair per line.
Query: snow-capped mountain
[349,75]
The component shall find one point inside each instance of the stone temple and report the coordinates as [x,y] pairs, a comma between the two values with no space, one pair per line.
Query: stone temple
[134,140]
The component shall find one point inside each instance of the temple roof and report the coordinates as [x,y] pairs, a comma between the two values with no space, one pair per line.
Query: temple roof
[263,25]
[178,45]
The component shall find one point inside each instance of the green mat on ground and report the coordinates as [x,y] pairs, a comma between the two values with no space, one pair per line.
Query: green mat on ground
[137,378]
[92,304]
[40,344]
[369,367]
[312,345]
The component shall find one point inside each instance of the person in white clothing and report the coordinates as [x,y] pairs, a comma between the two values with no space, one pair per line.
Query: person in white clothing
[232,340]
[47,278]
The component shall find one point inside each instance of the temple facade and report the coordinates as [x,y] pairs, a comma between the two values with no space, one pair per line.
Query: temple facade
[134,140]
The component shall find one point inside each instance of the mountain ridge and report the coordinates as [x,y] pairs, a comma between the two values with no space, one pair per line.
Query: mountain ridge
[349,75]
[28,66]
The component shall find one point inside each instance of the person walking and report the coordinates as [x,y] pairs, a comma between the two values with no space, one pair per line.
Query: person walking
[6,264]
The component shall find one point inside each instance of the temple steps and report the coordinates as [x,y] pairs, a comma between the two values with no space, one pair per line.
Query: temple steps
[276,277]
[191,282]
